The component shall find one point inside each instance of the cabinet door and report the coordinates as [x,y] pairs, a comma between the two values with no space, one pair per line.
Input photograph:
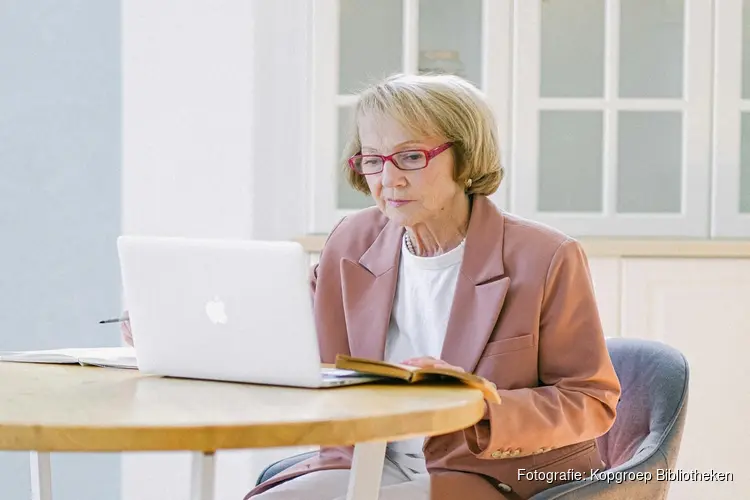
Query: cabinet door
[731,159]
[611,116]
[701,307]
[605,275]
[356,42]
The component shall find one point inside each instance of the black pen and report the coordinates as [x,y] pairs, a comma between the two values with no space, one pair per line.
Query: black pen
[113,320]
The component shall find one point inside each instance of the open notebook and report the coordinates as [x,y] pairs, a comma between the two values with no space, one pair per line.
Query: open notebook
[109,357]
[412,374]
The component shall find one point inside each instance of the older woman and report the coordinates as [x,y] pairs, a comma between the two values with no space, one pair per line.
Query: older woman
[436,274]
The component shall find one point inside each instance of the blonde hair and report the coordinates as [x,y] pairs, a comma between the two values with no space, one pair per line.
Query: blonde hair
[435,105]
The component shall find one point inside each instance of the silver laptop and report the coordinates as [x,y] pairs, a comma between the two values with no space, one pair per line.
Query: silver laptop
[232,310]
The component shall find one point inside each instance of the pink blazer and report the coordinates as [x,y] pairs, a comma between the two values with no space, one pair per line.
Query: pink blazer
[524,316]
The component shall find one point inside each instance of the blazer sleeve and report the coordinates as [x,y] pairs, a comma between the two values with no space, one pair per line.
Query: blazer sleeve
[578,388]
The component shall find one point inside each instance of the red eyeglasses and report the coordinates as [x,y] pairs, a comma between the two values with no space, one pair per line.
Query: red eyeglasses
[413,159]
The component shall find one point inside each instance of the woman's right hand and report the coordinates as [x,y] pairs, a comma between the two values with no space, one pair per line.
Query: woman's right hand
[127,334]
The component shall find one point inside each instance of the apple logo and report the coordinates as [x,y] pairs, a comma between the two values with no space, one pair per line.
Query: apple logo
[215,310]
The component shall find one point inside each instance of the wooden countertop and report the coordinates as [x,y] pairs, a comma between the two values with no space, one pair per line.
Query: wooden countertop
[625,247]
[76,408]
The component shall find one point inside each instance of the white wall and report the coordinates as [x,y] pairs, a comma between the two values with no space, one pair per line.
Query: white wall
[187,117]
[215,109]
[281,110]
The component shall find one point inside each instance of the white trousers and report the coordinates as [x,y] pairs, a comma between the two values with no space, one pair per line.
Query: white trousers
[332,485]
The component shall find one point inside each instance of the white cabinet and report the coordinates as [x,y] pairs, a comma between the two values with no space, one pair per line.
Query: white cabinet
[611,116]
[701,307]
[731,159]
[619,118]
[605,274]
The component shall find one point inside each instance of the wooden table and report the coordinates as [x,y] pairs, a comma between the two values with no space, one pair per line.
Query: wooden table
[60,408]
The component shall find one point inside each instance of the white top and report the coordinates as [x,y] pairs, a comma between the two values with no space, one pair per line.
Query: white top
[421,308]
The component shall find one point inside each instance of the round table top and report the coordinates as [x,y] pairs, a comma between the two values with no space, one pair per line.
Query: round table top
[77,408]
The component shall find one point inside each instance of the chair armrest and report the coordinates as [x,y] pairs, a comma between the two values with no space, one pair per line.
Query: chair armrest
[282,465]
[625,482]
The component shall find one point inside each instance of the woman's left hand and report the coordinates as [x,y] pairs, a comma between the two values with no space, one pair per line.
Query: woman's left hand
[429,362]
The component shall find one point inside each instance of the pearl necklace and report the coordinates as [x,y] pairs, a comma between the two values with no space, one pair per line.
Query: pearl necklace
[410,245]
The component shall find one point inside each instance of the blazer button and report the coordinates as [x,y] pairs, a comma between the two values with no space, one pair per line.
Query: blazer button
[504,488]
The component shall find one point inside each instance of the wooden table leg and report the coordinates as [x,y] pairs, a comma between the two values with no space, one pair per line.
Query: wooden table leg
[202,477]
[41,476]
[367,471]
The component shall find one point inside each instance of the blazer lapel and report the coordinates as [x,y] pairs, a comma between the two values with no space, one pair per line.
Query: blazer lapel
[368,291]
[480,290]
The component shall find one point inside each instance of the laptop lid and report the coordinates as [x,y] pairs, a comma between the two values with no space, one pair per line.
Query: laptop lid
[236,310]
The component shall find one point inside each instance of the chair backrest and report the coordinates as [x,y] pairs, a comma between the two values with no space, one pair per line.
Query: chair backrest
[650,415]
[648,429]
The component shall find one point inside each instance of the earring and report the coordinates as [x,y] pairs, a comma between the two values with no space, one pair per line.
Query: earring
[468,183]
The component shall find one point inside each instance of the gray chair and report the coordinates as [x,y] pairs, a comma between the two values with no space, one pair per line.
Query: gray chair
[647,432]
[644,438]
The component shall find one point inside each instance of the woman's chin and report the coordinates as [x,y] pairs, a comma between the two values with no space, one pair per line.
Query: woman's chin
[400,216]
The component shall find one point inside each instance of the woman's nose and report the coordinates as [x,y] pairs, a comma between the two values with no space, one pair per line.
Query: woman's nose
[391,175]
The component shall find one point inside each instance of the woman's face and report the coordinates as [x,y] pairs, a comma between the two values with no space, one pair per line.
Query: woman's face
[408,197]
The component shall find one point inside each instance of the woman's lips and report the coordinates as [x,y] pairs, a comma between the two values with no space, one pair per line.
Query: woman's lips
[397,203]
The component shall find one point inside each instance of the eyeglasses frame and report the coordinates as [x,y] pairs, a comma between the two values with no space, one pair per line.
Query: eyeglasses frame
[429,155]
